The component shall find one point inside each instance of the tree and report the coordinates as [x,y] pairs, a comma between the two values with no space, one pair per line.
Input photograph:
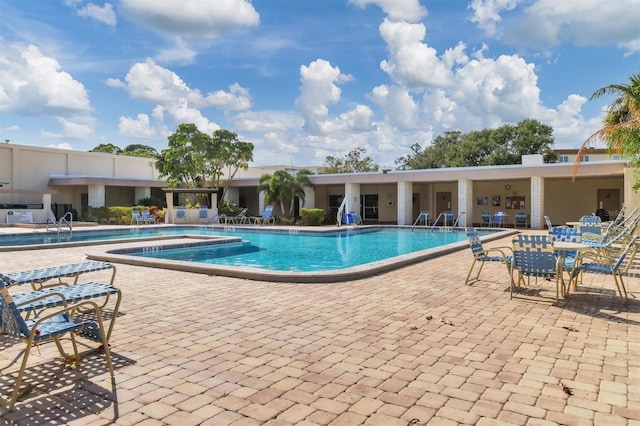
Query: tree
[504,145]
[109,148]
[196,160]
[138,150]
[283,187]
[351,163]
[621,125]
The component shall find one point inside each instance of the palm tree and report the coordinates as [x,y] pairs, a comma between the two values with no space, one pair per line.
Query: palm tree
[282,187]
[621,124]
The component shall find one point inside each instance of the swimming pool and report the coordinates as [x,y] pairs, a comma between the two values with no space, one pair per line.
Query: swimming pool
[293,255]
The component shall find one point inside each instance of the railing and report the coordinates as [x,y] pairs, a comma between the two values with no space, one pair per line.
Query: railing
[446,217]
[422,216]
[341,210]
[63,221]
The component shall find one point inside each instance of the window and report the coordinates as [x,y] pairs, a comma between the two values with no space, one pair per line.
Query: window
[584,159]
[563,158]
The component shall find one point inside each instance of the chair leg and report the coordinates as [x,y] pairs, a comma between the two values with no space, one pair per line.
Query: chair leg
[16,389]
[471,270]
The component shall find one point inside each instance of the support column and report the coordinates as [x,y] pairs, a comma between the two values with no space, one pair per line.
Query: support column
[537,202]
[309,198]
[261,202]
[141,192]
[405,203]
[96,195]
[352,192]
[465,201]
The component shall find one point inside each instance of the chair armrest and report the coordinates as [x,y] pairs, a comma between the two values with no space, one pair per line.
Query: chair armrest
[63,300]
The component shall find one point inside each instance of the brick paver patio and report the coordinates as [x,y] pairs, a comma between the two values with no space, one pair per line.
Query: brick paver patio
[409,347]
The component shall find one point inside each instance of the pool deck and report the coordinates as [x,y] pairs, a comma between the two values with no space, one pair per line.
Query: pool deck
[412,346]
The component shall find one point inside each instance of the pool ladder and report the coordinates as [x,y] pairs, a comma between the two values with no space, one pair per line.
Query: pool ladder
[63,221]
[447,217]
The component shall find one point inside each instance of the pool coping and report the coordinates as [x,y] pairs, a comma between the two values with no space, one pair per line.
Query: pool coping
[257,274]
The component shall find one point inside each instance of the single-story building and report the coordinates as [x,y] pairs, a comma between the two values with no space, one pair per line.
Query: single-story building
[38,179]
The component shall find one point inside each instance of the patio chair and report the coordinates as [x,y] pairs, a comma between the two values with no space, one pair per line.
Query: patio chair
[266,216]
[533,256]
[147,218]
[521,219]
[547,220]
[239,218]
[50,327]
[590,219]
[38,277]
[570,235]
[485,218]
[482,255]
[135,217]
[497,219]
[203,214]
[180,214]
[608,263]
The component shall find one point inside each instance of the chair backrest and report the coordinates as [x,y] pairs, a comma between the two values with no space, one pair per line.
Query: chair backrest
[498,217]
[534,255]
[485,216]
[12,322]
[590,219]
[547,220]
[266,214]
[521,217]
[425,215]
[180,213]
[203,213]
[565,234]
[135,214]
[448,216]
[474,240]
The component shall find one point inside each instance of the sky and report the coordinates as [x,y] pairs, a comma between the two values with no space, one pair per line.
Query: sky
[307,79]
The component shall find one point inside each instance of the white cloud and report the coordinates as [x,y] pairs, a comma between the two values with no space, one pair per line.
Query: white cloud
[412,62]
[267,122]
[139,127]
[114,82]
[63,145]
[486,13]
[317,91]
[34,84]
[401,110]
[398,10]
[104,14]
[543,24]
[193,18]
[180,53]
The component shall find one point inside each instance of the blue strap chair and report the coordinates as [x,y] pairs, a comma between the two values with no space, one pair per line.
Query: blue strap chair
[50,327]
[485,217]
[497,219]
[266,216]
[547,220]
[147,218]
[609,263]
[180,214]
[521,219]
[533,256]
[482,255]
[135,217]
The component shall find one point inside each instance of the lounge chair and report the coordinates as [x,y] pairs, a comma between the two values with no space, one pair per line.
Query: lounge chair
[147,218]
[51,327]
[38,277]
[533,256]
[240,218]
[135,217]
[480,254]
[180,214]
[266,217]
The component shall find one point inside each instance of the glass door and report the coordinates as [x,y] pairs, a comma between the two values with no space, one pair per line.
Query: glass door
[369,205]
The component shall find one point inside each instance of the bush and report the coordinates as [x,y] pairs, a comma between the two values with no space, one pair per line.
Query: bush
[312,217]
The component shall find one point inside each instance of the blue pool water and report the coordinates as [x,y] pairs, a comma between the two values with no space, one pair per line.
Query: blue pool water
[307,252]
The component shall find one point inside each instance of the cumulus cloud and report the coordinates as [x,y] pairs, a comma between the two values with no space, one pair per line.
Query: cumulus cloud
[318,89]
[180,53]
[193,18]
[32,83]
[543,24]
[412,62]
[104,14]
[397,10]
[401,110]
[175,101]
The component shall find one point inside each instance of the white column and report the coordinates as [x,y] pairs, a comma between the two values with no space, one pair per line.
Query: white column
[309,198]
[537,202]
[352,192]
[261,202]
[96,195]
[169,213]
[405,203]
[465,201]
[141,192]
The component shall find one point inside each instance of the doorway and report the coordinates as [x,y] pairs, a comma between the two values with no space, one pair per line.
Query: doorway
[609,201]
[443,202]
[369,207]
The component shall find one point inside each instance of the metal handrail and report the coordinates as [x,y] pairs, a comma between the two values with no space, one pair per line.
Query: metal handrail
[424,216]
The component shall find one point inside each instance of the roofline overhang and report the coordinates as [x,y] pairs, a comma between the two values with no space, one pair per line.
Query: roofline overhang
[106,181]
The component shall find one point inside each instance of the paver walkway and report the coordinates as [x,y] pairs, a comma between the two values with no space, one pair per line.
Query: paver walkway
[409,347]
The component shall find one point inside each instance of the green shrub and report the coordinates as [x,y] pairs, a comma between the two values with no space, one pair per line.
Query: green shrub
[312,217]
